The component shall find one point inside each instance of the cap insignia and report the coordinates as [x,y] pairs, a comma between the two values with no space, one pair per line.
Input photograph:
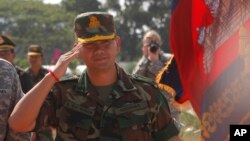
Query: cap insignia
[94,22]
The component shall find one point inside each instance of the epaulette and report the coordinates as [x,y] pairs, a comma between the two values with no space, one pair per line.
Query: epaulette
[66,81]
[143,79]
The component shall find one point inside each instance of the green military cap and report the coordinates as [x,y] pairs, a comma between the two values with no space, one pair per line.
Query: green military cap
[94,26]
[35,50]
[6,43]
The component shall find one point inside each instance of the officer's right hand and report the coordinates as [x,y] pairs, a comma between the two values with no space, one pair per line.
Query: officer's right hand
[65,59]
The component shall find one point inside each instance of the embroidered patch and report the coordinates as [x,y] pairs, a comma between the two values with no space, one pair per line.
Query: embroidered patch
[94,22]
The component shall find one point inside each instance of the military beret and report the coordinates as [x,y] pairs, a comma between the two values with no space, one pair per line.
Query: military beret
[6,43]
[94,26]
[35,50]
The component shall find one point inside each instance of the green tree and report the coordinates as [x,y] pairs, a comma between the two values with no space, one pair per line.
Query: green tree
[33,22]
[80,6]
[134,18]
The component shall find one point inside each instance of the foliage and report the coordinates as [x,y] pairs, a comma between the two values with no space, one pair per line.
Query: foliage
[135,18]
[33,22]
[128,66]
[23,63]
[190,130]
[80,6]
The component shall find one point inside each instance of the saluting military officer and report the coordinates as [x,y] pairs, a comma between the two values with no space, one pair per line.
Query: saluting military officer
[105,103]
[7,52]
[153,60]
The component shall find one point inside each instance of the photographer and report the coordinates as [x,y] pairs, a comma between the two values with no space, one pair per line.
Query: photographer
[153,59]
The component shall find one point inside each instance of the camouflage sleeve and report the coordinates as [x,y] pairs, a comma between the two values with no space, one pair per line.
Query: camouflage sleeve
[47,114]
[10,93]
[163,124]
[147,68]
[141,67]
[155,67]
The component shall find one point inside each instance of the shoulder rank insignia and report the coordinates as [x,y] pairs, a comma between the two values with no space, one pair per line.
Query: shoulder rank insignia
[144,79]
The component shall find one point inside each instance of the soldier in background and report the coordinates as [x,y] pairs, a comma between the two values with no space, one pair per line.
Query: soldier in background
[10,93]
[35,59]
[153,60]
[105,103]
[7,52]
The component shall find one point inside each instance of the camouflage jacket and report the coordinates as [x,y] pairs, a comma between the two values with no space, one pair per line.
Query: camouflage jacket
[149,69]
[10,93]
[136,110]
[35,79]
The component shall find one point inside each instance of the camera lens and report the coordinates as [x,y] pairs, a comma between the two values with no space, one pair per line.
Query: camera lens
[153,47]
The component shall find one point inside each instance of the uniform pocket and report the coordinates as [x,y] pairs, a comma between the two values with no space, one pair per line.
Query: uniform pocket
[75,121]
[134,122]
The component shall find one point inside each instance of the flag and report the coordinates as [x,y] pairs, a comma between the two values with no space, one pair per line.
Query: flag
[185,21]
[168,79]
[211,45]
[56,55]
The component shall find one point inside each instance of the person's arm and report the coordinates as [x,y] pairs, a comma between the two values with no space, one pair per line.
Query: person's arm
[141,66]
[23,117]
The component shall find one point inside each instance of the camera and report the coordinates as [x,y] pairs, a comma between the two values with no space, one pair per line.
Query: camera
[153,46]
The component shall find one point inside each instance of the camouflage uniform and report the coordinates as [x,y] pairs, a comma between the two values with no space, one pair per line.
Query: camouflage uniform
[134,110]
[149,69]
[10,93]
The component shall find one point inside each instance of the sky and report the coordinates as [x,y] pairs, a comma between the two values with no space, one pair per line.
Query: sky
[52,1]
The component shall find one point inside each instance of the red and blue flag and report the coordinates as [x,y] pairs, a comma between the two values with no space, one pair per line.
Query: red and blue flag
[211,45]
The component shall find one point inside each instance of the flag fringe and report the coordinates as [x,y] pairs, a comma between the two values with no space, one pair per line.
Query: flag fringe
[165,87]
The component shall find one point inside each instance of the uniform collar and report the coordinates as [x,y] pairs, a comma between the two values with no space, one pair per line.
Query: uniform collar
[123,81]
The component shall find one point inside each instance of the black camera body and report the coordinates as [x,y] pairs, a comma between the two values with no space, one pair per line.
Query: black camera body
[153,46]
